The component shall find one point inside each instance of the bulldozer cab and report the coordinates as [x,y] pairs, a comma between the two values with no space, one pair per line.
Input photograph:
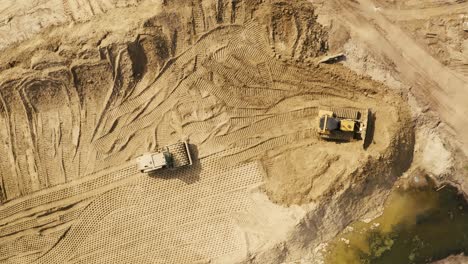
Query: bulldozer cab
[348,125]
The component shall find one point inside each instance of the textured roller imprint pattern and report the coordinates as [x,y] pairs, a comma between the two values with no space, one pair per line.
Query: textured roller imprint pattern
[227,93]
[179,154]
[179,216]
[92,184]
[43,221]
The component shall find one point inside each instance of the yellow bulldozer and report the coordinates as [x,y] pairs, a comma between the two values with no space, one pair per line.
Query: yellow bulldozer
[343,124]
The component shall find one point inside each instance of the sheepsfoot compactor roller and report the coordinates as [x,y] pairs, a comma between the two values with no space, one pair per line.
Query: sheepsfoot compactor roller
[170,157]
[343,124]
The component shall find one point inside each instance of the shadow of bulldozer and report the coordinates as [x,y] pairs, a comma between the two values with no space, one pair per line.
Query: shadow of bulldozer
[370,130]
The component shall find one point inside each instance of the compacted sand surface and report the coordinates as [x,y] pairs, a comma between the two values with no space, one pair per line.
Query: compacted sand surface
[87,86]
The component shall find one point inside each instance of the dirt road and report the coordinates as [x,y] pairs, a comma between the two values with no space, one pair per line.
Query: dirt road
[424,13]
[445,91]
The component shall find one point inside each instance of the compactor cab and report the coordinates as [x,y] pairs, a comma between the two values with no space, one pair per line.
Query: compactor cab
[342,124]
[172,156]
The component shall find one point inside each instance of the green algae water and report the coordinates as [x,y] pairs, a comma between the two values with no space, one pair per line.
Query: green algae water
[417,226]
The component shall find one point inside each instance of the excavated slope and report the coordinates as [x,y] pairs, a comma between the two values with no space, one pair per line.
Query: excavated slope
[239,80]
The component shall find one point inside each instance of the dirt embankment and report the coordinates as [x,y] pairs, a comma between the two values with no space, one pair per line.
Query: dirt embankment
[240,81]
[416,48]
[461,259]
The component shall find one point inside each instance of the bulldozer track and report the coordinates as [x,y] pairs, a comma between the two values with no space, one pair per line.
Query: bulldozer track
[346,113]
[66,9]
[71,190]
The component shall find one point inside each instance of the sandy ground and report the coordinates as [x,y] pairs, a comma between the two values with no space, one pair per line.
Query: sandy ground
[419,48]
[453,260]
[86,86]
